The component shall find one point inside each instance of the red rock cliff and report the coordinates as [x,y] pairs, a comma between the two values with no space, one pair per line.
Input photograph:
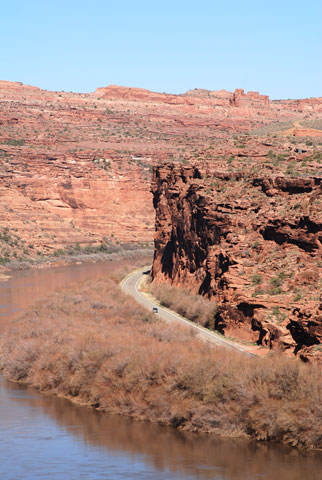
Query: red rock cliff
[252,244]
[76,168]
[242,99]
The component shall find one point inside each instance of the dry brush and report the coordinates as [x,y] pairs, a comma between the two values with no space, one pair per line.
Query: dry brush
[96,346]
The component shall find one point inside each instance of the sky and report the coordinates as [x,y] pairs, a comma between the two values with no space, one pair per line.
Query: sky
[270,46]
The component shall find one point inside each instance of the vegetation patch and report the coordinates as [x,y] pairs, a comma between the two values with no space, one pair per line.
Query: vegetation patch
[315,123]
[194,307]
[93,344]
[271,128]
[15,142]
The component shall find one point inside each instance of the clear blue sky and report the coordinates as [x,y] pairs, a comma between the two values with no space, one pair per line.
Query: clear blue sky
[77,45]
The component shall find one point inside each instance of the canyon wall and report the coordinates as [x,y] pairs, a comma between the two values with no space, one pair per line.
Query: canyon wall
[250,243]
[75,168]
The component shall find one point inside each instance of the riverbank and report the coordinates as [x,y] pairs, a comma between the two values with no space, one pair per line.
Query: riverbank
[75,256]
[63,434]
[96,346]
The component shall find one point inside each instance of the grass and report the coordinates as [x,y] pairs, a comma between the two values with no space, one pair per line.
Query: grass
[93,344]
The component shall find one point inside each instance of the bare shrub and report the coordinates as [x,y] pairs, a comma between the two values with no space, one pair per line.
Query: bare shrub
[102,349]
[194,307]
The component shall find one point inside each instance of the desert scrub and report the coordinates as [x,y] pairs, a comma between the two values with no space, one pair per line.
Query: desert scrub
[256,279]
[194,307]
[271,128]
[316,124]
[15,142]
[93,344]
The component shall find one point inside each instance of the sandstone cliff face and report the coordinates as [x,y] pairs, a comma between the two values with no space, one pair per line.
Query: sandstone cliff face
[253,244]
[240,98]
[76,168]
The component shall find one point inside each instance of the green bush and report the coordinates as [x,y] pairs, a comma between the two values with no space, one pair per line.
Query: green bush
[16,143]
[256,279]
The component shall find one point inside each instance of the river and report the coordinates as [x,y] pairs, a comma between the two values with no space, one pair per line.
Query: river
[43,437]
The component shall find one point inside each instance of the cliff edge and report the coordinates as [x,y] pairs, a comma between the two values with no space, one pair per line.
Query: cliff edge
[251,243]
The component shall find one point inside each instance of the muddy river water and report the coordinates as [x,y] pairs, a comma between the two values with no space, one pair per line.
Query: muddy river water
[44,437]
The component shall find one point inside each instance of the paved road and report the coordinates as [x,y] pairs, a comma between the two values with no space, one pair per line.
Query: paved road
[130,286]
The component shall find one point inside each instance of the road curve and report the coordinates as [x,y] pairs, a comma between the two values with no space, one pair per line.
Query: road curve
[130,286]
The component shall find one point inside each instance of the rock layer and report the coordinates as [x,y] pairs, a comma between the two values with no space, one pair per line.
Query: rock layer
[83,162]
[253,244]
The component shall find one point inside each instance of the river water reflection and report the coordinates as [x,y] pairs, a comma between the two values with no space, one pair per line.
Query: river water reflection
[26,286]
[44,437]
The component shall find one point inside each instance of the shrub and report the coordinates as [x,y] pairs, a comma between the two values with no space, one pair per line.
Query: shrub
[194,307]
[256,279]
[95,345]
[276,283]
[16,142]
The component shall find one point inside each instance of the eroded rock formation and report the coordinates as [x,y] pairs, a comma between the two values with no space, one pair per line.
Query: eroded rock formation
[76,168]
[251,243]
[240,99]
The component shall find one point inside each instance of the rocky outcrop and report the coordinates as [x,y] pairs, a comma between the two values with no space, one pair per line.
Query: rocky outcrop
[251,244]
[218,94]
[138,94]
[242,99]
[82,162]
[309,105]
